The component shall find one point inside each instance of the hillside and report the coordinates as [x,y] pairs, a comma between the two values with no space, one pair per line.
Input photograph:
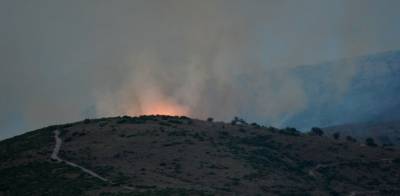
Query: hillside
[384,133]
[367,92]
[164,155]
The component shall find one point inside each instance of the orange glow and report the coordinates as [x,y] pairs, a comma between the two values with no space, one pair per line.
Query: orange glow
[151,101]
[154,103]
[164,108]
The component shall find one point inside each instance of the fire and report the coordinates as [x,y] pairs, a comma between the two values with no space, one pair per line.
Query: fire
[155,103]
[151,100]
[164,108]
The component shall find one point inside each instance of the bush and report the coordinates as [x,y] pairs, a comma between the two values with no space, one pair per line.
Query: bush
[46,178]
[290,131]
[351,139]
[317,131]
[255,125]
[238,121]
[336,135]
[175,121]
[86,121]
[396,161]
[370,142]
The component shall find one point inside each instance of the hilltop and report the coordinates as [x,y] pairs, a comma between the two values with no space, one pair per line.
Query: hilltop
[167,155]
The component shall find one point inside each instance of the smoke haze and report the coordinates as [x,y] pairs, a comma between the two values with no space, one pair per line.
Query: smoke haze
[62,61]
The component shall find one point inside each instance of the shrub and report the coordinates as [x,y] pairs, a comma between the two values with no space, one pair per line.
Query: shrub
[370,142]
[184,118]
[164,124]
[175,121]
[255,125]
[86,121]
[317,131]
[396,161]
[351,139]
[336,135]
[133,120]
[103,124]
[236,120]
[290,131]
[223,133]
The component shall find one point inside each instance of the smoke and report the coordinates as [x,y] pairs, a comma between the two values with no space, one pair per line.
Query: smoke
[67,60]
[205,60]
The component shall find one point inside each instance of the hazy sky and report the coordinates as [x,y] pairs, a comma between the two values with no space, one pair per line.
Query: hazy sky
[62,61]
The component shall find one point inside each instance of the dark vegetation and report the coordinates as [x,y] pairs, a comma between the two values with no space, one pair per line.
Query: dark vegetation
[336,135]
[316,131]
[351,139]
[45,178]
[160,192]
[40,140]
[370,142]
[164,155]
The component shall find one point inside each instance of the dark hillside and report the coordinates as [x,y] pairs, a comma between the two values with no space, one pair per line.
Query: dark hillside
[164,155]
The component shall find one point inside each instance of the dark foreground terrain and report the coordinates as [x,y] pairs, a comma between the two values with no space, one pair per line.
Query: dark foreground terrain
[163,155]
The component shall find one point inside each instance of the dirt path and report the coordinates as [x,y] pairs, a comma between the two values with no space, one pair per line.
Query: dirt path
[57,147]
[55,157]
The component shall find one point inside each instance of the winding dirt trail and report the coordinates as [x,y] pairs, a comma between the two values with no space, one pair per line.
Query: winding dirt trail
[55,157]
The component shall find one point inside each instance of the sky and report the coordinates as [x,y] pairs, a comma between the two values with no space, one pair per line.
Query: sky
[66,60]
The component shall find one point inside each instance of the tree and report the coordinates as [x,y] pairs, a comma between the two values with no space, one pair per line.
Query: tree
[336,135]
[317,131]
[255,125]
[86,121]
[290,131]
[238,121]
[351,139]
[209,119]
[235,120]
[370,142]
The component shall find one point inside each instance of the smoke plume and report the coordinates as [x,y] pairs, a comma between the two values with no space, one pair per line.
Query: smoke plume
[67,60]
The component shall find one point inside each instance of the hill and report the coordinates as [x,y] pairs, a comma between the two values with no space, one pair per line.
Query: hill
[165,155]
[359,89]
[384,133]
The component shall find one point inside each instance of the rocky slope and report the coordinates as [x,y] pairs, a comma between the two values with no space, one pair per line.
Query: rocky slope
[164,155]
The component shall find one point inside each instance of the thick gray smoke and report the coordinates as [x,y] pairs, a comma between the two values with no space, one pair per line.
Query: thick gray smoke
[67,60]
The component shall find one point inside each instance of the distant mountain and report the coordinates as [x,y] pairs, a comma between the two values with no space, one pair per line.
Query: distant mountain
[364,89]
[164,155]
[384,133]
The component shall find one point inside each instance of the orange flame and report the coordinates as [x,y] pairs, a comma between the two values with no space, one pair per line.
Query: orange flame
[152,102]
[164,108]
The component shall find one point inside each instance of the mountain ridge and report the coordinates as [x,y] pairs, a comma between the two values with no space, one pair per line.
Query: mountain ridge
[368,91]
[165,155]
